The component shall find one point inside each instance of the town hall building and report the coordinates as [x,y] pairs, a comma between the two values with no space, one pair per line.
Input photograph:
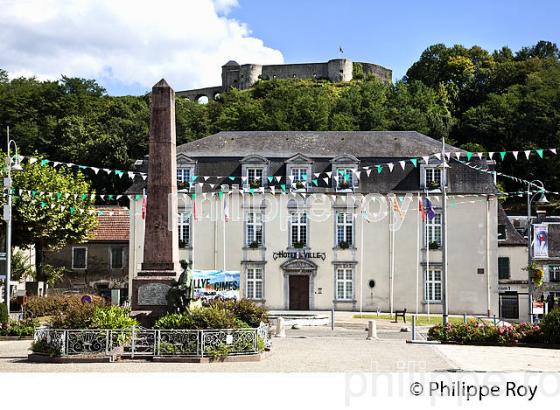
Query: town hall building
[321,220]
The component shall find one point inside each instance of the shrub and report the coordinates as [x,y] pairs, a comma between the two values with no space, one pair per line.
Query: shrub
[53,305]
[476,333]
[550,326]
[175,321]
[246,310]
[20,328]
[75,317]
[47,345]
[4,316]
[112,317]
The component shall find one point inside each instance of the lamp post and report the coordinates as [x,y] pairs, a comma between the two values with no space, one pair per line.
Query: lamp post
[15,166]
[443,185]
[531,195]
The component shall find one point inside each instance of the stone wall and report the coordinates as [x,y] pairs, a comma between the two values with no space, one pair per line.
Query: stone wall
[244,76]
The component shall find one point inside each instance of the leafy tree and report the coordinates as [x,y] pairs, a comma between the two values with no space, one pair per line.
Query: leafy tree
[53,209]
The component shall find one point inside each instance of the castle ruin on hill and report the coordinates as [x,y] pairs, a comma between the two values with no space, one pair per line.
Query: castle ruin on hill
[244,76]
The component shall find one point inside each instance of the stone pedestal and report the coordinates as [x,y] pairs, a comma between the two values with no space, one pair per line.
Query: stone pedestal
[160,266]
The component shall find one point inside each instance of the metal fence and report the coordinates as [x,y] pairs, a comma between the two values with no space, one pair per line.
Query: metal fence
[141,342]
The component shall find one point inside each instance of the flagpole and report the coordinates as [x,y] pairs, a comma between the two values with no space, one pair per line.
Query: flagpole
[417,250]
[427,290]
[362,260]
[224,232]
[445,301]
[392,268]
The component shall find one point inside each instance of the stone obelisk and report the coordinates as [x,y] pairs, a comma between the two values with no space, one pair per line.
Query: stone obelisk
[161,244]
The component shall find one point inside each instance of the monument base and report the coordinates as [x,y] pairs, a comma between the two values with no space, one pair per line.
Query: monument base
[149,294]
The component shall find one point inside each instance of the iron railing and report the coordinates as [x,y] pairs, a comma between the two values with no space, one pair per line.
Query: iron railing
[142,342]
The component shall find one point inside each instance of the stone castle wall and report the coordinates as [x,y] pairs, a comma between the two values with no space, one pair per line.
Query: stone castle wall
[246,75]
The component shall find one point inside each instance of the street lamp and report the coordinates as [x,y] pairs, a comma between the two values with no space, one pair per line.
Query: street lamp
[531,195]
[11,165]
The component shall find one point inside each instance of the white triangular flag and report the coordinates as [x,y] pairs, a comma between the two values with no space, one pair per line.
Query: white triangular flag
[277,178]
[553,150]
[457,154]
[329,173]
[326,180]
[426,159]
[515,153]
[491,155]
[390,165]
[368,172]
[403,164]
[438,155]
[448,155]
[479,155]
[527,153]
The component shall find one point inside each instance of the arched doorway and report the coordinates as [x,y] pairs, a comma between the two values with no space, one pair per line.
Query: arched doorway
[299,284]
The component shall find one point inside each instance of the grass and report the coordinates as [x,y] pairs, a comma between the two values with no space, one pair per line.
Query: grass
[421,320]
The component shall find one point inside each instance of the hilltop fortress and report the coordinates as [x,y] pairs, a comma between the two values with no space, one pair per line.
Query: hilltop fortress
[244,76]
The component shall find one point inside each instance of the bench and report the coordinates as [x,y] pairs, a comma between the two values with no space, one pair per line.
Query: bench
[401,313]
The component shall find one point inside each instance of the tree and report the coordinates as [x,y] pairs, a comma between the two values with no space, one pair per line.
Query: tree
[51,208]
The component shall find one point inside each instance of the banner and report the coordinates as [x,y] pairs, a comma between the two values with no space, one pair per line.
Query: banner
[540,241]
[212,284]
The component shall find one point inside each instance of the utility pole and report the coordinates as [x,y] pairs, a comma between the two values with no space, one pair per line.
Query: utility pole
[443,183]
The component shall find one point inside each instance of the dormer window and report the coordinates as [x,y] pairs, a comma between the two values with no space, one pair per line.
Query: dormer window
[185,172]
[254,170]
[344,173]
[298,172]
[430,176]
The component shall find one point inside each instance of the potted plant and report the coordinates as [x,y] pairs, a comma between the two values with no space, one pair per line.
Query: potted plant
[537,274]
[433,185]
[433,245]
[182,244]
[183,185]
[343,245]
[254,245]
[255,184]
[343,185]
[299,185]
[298,244]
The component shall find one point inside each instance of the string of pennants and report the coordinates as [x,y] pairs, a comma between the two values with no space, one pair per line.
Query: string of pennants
[96,170]
[322,176]
[511,177]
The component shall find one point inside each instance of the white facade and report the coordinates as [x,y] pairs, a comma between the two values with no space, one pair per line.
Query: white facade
[336,277]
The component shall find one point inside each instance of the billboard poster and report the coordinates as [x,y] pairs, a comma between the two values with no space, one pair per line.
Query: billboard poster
[216,284]
[540,241]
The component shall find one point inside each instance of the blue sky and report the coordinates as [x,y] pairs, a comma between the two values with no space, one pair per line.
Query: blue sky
[126,49]
[394,33]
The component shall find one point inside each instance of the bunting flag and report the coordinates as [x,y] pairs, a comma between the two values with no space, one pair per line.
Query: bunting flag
[421,209]
[429,209]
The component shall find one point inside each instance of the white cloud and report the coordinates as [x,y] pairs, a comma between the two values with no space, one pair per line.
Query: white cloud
[127,42]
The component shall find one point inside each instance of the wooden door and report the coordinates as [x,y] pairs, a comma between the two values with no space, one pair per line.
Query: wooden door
[299,292]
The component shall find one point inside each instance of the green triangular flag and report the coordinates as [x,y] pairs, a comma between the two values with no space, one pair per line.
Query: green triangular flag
[414,161]
[283,186]
[251,190]
[379,168]
[110,196]
[540,152]
[315,182]
[232,178]
[220,194]
[43,204]
[270,179]
[194,177]
[502,155]
[33,193]
[137,197]
[44,161]
[193,196]
[469,155]
[59,195]
[84,196]
[72,210]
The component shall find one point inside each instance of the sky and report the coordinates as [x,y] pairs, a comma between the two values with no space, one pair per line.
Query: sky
[128,45]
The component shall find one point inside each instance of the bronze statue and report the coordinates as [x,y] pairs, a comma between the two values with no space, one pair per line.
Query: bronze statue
[181,293]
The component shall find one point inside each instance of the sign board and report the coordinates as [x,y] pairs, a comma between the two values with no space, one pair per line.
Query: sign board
[298,255]
[538,308]
[212,284]
[540,241]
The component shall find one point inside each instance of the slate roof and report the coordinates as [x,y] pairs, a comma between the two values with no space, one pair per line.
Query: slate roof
[221,153]
[317,144]
[113,224]
[513,238]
